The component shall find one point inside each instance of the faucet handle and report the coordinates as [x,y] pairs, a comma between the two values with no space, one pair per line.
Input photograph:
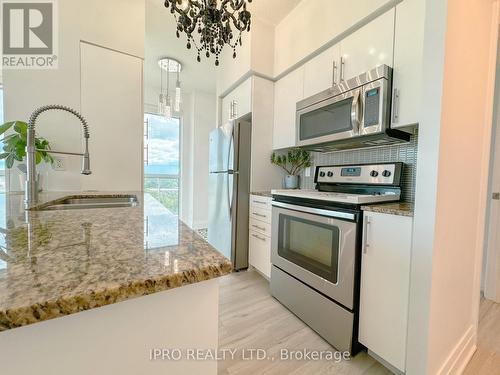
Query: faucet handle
[86,159]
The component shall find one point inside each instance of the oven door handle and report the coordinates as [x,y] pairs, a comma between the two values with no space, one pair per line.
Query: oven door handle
[316,211]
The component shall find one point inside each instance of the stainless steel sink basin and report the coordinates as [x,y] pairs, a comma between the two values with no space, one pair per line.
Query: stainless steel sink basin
[85,202]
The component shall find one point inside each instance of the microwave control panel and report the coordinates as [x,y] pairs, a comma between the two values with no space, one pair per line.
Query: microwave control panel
[372,107]
[368,174]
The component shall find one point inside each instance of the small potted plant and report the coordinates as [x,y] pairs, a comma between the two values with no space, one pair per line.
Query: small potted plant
[292,162]
[14,147]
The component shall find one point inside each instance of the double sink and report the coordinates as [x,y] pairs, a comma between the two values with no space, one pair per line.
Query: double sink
[85,202]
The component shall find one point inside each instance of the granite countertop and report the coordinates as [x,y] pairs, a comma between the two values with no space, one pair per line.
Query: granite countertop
[262,193]
[397,208]
[55,263]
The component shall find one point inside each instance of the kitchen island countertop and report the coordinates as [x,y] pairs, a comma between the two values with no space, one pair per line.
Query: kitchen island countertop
[56,263]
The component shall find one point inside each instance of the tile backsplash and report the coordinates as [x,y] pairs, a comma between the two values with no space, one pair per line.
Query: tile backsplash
[403,152]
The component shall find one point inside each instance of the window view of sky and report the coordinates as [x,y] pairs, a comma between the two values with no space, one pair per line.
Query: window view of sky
[163,145]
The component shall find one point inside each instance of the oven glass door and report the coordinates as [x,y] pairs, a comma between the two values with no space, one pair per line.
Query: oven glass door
[310,245]
[317,247]
[329,120]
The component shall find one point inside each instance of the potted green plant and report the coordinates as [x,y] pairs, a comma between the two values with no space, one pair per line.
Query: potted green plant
[14,147]
[292,162]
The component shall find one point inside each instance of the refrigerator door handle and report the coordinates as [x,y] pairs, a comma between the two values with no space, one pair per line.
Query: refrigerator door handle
[230,172]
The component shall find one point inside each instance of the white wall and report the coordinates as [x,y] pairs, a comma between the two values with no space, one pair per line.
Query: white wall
[256,55]
[26,90]
[491,261]
[451,185]
[121,126]
[204,123]
[195,143]
[264,175]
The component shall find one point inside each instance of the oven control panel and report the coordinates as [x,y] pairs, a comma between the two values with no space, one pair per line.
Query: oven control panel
[367,174]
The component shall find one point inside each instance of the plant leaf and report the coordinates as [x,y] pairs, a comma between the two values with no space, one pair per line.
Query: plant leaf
[9,161]
[38,157]
[21,128]
[6,126]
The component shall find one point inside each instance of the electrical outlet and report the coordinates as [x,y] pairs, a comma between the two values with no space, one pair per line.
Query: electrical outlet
[59,164]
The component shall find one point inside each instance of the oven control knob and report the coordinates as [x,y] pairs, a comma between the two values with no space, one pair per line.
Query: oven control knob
[374,173]
[321,174]
[330,174]
[386,173]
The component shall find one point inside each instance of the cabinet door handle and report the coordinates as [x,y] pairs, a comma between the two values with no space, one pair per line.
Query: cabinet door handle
[258,237]
[395,104]
[334,74]
[366,245]
[342,68]
[260,228]
[256,214]
[235,109]
[259,202]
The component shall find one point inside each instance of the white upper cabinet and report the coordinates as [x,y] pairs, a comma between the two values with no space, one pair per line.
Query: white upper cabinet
[322,71]
[287,92]
[408,54]
[238,102]
[368,47]
[385,283]
[313,23]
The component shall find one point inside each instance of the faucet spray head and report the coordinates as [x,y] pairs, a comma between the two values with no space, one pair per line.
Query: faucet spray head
[86,159]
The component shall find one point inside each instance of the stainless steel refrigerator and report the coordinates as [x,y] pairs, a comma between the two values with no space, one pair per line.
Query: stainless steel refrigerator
[229,185]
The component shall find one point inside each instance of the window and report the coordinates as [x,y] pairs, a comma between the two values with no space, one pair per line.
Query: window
[2,162]
[162,160]
[3,224]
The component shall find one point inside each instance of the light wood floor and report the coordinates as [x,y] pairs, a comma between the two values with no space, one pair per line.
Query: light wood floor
[251,318]
[486,359]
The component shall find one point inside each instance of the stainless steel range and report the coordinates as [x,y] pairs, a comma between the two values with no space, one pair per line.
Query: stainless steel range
[316,246]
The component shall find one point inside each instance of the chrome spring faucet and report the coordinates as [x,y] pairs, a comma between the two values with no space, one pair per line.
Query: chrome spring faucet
[31,189]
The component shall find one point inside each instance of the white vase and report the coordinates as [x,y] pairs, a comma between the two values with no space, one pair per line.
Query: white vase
[291,182]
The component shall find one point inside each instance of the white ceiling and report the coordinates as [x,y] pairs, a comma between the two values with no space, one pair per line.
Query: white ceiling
[162,41]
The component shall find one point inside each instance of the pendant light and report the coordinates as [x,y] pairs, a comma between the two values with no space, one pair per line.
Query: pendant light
[168,100]
[161,99]
[166,106]
[178,99]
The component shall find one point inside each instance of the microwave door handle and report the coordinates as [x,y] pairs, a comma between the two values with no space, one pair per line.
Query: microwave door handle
[356,110]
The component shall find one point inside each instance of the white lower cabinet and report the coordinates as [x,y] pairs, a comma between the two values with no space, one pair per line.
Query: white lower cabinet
[259,242]
[385,280]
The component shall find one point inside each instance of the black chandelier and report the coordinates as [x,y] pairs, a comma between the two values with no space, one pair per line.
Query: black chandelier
[216,26]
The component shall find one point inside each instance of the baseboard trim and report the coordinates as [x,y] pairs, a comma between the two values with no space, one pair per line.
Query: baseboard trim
[460,356]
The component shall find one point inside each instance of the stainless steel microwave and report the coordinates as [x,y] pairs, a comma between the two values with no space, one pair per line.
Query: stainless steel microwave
[354,113]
